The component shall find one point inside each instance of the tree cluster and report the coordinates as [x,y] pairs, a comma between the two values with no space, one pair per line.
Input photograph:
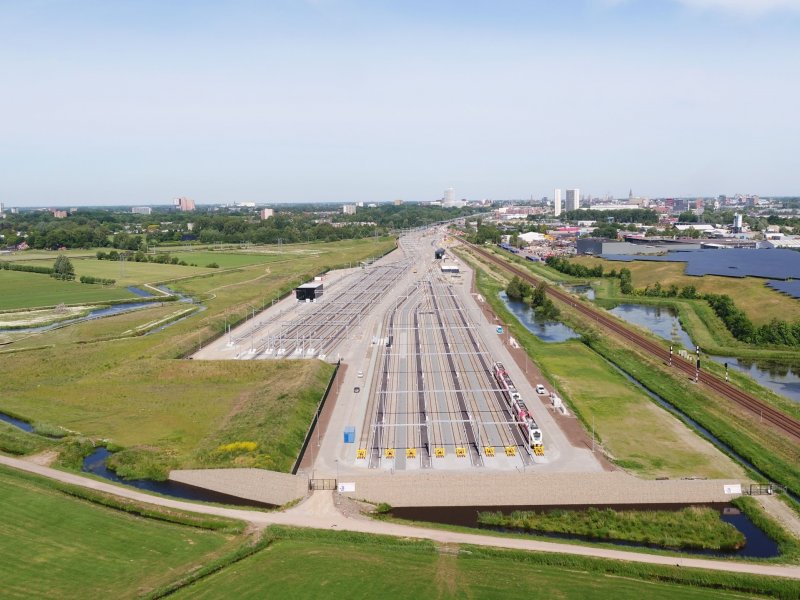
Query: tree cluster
[575,269]
[63,269]
[99,280]
[536,297]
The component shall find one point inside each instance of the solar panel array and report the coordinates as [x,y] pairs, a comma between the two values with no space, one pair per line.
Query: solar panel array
[740,262]
[791,288]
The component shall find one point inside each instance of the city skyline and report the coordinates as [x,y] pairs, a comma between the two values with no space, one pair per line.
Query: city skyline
[335,101]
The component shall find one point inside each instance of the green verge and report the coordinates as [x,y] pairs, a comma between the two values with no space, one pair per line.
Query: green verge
[56,545]
[22,443]
[698,583]
[692,527]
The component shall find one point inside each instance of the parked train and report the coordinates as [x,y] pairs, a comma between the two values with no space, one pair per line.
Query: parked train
[517,405]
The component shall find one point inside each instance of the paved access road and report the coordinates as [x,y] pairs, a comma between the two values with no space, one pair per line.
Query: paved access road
[320,512]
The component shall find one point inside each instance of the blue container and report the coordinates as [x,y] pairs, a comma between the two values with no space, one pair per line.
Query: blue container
[350,434]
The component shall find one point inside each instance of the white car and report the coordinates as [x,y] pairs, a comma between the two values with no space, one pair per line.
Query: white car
[540,389]
[361,373]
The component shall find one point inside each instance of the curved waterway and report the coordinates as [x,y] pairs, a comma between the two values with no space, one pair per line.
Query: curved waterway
[757,545]
[95,463]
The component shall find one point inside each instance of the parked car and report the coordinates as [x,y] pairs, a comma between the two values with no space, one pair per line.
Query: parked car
[361,373]
[541,390]
[356,389]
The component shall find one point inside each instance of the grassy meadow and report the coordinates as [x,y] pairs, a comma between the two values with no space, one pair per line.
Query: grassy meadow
[322,564]
[58,546]
[28,290]
[102,382]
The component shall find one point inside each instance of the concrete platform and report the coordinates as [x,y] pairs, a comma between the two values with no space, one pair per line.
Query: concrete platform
[404,489]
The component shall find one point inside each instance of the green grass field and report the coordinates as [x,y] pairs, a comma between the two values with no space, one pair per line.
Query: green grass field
[57,546]
[133,273]
[751,294]
[26,290]
[324,565]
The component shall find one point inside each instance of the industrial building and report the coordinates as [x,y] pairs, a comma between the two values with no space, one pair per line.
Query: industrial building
[439,253]
[449,268]
[600,246]
[309,292]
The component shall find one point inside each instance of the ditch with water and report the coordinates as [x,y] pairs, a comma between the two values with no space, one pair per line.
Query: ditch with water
[757,545]
[95,463]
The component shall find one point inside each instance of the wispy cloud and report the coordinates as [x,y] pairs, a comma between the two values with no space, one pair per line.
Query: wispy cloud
[743,7]
[753,8]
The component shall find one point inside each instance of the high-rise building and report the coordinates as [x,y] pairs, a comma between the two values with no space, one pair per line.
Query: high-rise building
[141,210]
[449,196]
[184,204]
[349,209]
[573,199]
[266,213]
[557,202]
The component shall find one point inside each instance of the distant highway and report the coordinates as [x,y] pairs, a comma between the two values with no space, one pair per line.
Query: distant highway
[779,420]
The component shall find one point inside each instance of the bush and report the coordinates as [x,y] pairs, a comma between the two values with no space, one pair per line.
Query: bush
[212,265]
[89,279]
[26,268]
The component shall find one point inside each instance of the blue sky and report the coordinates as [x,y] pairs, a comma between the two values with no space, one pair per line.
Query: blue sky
[107,102]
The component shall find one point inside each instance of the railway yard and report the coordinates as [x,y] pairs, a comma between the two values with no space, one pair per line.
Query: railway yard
[429,383]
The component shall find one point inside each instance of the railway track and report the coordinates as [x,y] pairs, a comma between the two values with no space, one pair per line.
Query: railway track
[766,412]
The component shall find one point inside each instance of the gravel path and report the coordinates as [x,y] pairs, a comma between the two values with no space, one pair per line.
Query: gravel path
[319,511]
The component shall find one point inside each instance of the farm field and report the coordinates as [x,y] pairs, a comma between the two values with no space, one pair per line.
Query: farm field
[25,290]
[751,294]
[314,565]
[57,546]
[133,273]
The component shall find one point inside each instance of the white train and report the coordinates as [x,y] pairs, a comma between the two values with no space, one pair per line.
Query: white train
[517,405]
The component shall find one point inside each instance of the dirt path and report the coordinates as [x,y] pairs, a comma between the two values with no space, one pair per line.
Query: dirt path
[319,511]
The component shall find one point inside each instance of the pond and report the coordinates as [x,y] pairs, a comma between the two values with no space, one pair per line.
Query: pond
[581,290]
[547,331]
[661,320]
[758,544]
[781,378]
[95,463]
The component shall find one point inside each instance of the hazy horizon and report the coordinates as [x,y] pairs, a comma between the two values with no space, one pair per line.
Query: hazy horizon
[135,103]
